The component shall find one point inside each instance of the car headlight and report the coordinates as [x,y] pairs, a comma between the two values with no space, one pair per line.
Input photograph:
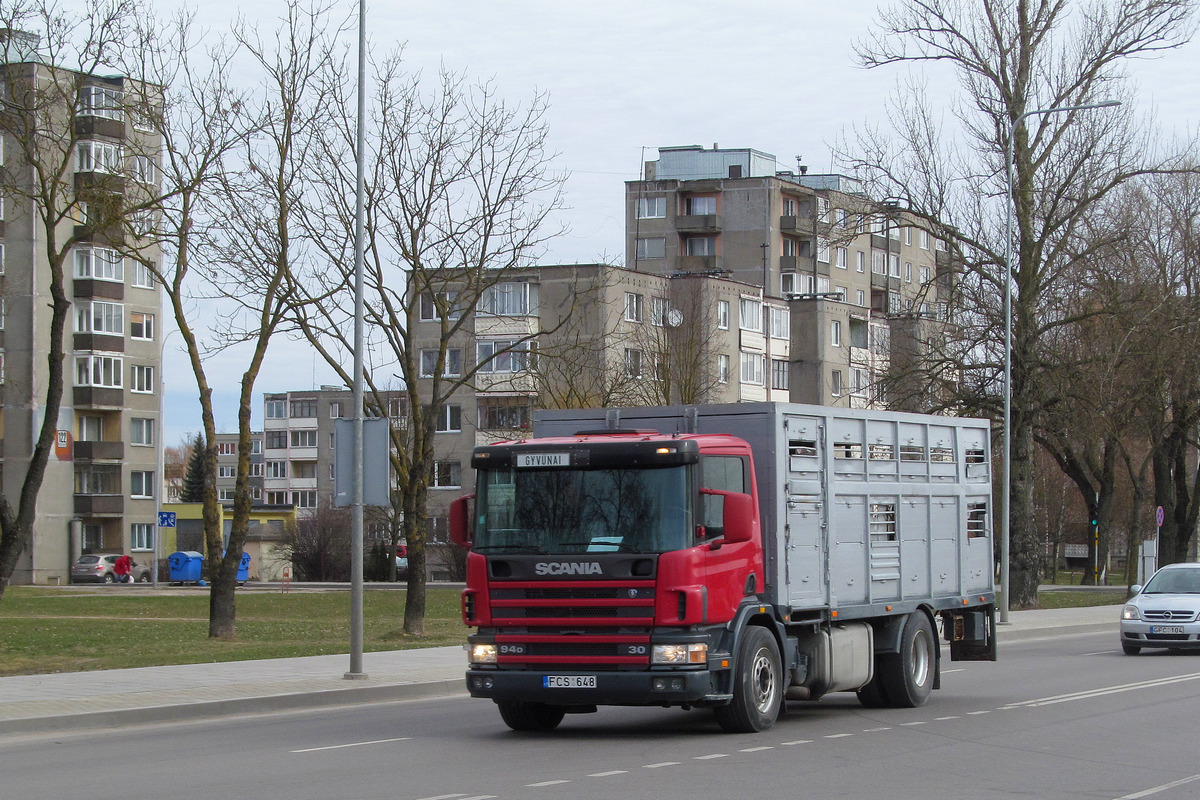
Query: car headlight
[681,653]
[1130,612]
[482,654]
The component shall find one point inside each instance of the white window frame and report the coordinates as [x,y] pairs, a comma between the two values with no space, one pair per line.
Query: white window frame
[96,156]
[781,322]
[100,316]
[449,419]
[633,363]
[101,101]
[509,299]
[99,264]
[303,437]
[452,368]
[96,369]
[141,379]
[751,368]
[276,470]
[750,314]
[141,432]
[723,368]
[843,258]
[447,475]
[651,207]
[634,307]
[144,483]
[141,536]
[501,356]
[140,276]
[275,409]
[226,470]
[702,246]
[723,315]
[835,333]
[650,248]
[147,326]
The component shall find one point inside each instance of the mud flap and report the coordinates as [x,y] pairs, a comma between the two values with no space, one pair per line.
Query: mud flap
[971,633]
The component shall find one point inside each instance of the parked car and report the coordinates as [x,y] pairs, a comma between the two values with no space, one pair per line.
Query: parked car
[1165,612]
[98,568]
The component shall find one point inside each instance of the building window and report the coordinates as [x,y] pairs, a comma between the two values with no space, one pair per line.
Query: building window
[893,265]
[696,206]
[835,383]
[925,272]
[835,333]
[633,363]
[787,284]
[651,207]
[700,246]
[752,368]
[141,325]
[822,250]
[91,428]
[304,470]
[256,469]
[91,156]
[502,355]
[451,368]
[431,309]
[141,484]
[651,248]
[791,248]
[276,409]
[227,448]
[449,419]
[94,370]
[1,254]
[305,499]
[226,495]
[923,239]
[100,101]
[860,298]
[306,438]
[843,294]
[779,373]
[447,475]
[143,379]
[100,317]
[823,209]
[878,262]
[907,235]
[144,170]
[277,469]
[633,307]
[860,260]
[723,315]
[335,409]
[751,314]
[141,431]
[723,368]
[278,499]
[781,322]
[226,471]
[511,298]
[3,311]
[843,258]
[303,409]
[789,207]
[907,270]
[658,311]
[276,440]
[98,479]
[141,536]
[502,414]
[859,381]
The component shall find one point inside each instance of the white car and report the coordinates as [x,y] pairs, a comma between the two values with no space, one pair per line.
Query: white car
[1165,612]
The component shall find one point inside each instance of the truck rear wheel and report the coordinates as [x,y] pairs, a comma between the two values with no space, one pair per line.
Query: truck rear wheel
[907,676]
[873,694]
[522,716]
[757,687]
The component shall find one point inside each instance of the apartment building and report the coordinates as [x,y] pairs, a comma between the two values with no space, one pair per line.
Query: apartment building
[99,492]
[227,458]
[855,271]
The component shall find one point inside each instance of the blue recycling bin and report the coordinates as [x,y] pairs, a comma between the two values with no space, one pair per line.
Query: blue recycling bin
[185,566]
[244,568]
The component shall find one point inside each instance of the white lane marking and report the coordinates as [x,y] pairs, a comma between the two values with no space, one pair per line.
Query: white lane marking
[911,724]
[606,774]
[838,735]
[358,744]
[1157,789]
[661,764]
[948,671]
[796,741]
[875,730]
[1101,653]
[1090,693]
[977,713]
[711,755]
[943,719]
[544,783]
[756,749]
[443,797]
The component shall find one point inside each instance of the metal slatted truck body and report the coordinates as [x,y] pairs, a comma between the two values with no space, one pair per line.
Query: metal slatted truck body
[727,556]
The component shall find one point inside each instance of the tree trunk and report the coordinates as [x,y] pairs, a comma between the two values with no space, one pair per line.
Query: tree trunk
[1025,562]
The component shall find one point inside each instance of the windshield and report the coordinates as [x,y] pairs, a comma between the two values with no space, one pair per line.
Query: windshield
[583,511]
[1174,581]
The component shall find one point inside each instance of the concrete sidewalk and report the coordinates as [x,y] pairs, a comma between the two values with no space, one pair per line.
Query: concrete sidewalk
[108,698]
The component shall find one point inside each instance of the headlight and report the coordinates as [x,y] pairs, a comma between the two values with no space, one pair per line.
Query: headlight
[682,653]
[1130,612]
[482,654]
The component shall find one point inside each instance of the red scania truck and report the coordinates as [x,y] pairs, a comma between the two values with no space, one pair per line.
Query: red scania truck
[727,556]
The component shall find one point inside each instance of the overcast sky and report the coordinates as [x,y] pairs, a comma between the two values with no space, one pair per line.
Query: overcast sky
[624,78]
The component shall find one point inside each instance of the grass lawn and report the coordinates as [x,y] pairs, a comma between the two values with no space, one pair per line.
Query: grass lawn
[68,629]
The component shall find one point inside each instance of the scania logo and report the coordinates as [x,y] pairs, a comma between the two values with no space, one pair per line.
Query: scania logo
[567,568]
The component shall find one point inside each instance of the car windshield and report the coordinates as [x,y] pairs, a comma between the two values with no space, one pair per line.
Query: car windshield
[88,559]
[583,510]
[1174,581]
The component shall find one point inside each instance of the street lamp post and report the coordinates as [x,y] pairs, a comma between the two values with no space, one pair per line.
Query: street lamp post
[1006,477]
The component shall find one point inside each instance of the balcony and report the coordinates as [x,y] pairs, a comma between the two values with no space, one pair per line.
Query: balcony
[698,263]
[89,127]
[106,343]
[697,223]
[794,224]
[105,290]
[98,397]
[99,451]
[93,505]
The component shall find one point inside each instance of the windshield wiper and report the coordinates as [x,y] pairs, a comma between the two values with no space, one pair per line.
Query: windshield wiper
[516,548]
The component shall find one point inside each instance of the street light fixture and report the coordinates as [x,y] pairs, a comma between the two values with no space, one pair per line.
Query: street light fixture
[1010,201]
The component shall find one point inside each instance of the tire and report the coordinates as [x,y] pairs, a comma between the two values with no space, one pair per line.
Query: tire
[1130,649]
[873,694]
[145,578]
[108,578]
[907,676]
[522,716]
[757,687]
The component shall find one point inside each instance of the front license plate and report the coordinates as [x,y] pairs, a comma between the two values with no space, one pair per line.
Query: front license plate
[1166,629]
[569,681]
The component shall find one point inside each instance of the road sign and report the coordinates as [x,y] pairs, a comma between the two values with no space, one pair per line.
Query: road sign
[1158,516]
[166,519]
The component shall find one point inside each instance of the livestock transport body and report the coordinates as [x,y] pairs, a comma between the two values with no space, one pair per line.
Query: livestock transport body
[727,556]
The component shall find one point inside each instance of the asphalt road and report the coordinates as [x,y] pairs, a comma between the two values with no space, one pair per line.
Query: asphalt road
[1055,718]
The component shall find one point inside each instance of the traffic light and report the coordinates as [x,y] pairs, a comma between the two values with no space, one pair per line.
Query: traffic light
[1093,514]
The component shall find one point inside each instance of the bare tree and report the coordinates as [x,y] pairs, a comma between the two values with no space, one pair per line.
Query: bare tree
[1011,59]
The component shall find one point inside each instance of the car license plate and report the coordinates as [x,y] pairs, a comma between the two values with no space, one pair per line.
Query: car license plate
[1166,629]
[569,681]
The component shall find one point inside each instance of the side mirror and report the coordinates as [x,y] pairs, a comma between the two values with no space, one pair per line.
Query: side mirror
[460,525]
[737,515]
[1134,590]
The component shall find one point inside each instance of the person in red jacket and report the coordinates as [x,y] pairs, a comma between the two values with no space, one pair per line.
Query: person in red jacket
[122,568]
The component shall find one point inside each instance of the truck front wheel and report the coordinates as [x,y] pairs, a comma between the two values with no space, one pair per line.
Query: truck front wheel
[522,716]
[908,675]
[757,687]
